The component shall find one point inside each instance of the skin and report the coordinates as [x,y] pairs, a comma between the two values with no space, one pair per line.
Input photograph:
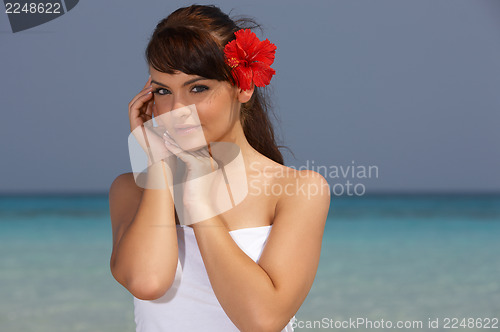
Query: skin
[269,292]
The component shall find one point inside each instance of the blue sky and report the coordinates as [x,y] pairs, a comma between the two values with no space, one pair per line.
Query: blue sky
[410,87]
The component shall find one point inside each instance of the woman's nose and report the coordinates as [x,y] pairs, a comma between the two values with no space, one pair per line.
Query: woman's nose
[181,110]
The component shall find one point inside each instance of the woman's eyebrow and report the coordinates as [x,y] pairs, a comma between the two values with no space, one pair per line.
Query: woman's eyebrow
[185,83]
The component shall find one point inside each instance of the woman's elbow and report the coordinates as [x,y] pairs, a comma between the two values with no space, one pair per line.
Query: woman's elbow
[263,325]
[144,287]
[263,322]
[149,289]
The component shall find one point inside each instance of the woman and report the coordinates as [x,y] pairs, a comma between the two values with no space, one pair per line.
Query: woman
[251,266]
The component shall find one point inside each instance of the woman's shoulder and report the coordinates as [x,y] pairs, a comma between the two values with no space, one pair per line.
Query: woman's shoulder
[125,181]
[290,181]
[124,188]
[269,168]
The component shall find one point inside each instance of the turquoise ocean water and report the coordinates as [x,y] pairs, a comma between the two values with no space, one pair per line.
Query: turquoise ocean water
[384,257]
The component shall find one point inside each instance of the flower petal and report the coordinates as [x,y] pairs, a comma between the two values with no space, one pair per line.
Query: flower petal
[264,52]
[247,41]
[230,50]
[244,77]
[262,73]
[250,59]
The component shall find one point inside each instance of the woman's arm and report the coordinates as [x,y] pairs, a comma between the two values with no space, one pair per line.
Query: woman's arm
[145,252]
[265,296]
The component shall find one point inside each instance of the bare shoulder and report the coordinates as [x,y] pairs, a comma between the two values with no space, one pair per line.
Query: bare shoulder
[296,191]
[302,185]
[307,188]
[123,189]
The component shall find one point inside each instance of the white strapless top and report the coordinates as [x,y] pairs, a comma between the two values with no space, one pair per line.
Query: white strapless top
[190,304]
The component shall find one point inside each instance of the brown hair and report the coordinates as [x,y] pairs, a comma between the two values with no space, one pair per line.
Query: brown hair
[191,40]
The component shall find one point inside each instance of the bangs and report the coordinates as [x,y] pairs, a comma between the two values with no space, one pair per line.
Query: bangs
[189,50]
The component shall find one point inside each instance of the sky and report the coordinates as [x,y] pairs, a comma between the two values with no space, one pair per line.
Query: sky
[409,89]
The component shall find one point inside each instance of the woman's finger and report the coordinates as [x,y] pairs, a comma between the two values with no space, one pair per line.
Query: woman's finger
[145,90]
[148,82]
[169,138]
[139,103]
[201,154]
[149,109]
[204,152]
[197,154]
[183,155]
[167,135]
[137,111]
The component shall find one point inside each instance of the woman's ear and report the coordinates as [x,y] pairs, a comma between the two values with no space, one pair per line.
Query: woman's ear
[245,95]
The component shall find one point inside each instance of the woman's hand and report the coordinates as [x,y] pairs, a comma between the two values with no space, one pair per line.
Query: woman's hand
[140,111]
[201,178]
[140,108]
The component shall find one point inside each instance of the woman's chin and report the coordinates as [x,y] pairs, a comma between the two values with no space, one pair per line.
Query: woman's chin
[193,146]
[191,142]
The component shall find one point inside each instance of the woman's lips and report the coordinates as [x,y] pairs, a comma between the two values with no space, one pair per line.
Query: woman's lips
[182,130]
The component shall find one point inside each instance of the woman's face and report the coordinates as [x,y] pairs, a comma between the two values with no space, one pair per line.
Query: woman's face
[194,110]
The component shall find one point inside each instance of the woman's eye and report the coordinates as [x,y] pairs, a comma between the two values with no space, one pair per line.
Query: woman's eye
[200,88]
[196,89]
[161,91]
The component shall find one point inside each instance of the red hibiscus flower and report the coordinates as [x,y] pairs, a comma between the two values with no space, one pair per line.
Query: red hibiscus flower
[250,59]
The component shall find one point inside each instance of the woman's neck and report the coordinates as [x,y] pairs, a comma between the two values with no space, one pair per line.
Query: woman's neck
[237,136]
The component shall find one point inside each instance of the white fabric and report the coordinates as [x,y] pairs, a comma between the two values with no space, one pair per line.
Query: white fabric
[190,304]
